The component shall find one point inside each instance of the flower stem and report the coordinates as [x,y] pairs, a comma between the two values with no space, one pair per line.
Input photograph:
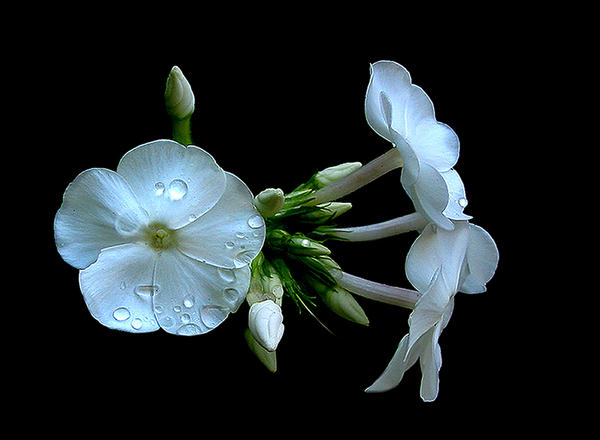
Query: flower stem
[379,292]
[182,131]
[376,168]
[376,231]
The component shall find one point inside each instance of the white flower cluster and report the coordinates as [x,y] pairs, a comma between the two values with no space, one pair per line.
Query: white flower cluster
[451,254]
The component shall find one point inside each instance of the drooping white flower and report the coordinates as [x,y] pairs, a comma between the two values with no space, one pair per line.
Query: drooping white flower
[265,321]
[163,242]
[439,264]
[402,113]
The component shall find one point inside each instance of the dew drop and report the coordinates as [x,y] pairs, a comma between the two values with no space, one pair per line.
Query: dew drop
[121,314]
[256,221]
[189,330]
[232,296]
[177,189]
[177,309]
[185,318]
[240,235]
[212,316]
[243,258]
[188,301]
[463,202]
[226,275]
[158,309]
[136,323]
[192,217]
[229,244]
[123,285]
[146,289]
[159,188]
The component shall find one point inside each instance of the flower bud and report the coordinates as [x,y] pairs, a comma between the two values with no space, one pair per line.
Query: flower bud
[268,358]
[179,98]
[269,201]
[331,174]
[301,245]
[326,212]
[265,321]
[341,302]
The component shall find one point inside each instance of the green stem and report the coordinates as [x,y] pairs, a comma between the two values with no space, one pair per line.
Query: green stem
[182,131]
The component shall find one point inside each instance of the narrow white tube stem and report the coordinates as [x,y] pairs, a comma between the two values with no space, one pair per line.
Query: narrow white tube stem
[379,292]
[367,173]
[376,231]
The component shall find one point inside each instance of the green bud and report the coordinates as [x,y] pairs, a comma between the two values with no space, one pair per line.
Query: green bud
[268,358]
[269,201]
[341,302]
[302,245]
[278,239]
[179,98]
[331,174]
[326,211]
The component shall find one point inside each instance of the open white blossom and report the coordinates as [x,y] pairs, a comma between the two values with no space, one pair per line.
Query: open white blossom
[439,264]
[402,113]
[163,242]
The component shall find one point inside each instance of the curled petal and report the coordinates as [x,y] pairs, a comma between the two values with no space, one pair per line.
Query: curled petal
[429,195]
[436,248]
[99,210]
[122,300]
[481,260]
[175,184]
[457,199]
[231,234]
[195,297]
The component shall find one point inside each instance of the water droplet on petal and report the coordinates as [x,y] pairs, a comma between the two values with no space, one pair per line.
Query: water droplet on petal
[123,285]
[192,217]
[158,309]
[256,221]
[177,189]
[244,258]
[240,235]
[189,330]
[212,316]
[177,309]
[226,275]
[146,289]
[463,202]
[188,301]
[136,323]
[229,244]
[159,188]
[185,318]
[121,314]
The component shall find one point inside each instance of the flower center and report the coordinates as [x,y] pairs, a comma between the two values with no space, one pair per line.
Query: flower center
[160,237]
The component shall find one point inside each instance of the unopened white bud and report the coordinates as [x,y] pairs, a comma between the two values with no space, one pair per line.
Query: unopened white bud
[179,98]
[331,174]
[269,201]
[265,321]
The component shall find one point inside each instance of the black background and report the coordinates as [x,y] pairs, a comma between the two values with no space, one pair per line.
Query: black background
[276,102]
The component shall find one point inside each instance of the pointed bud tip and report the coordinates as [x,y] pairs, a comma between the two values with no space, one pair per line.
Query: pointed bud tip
[269,201]
[179,97]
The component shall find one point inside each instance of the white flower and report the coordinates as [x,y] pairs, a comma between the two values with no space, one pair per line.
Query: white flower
[163,242]
[403,114]
[265,321]
[439,264]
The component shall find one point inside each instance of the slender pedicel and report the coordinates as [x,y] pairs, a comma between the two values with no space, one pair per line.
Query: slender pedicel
[376,231]
[378,292]
[376,168]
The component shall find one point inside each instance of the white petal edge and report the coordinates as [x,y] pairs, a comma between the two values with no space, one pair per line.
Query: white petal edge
[175,184]
[231,234]
[481,260]
[196,297]
[118,288]
[99,210]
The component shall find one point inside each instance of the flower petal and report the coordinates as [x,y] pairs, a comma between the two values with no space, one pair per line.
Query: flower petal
[99,210]
[429,195]
[175,184]
[195,297]
[457,199]
[394,81]
[430,308]
[481,260]
[231,234]
[436,143]
[431,363]
[118,288]
[398,365]
[436,248]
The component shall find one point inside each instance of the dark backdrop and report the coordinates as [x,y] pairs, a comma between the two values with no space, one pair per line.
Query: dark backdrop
[273,107]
